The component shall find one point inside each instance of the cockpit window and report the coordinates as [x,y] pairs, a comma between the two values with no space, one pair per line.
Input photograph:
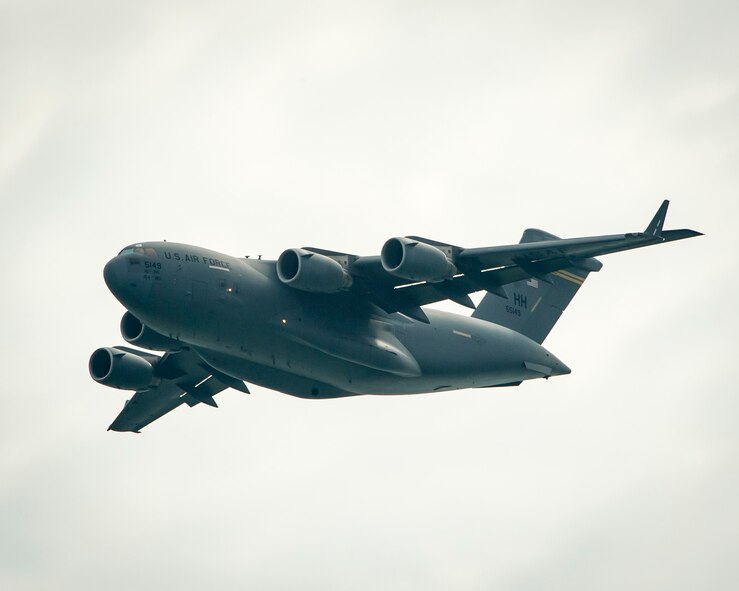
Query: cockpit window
[138,249]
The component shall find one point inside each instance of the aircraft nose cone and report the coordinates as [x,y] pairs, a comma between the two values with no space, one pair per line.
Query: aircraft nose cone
[113,274]
[126,280]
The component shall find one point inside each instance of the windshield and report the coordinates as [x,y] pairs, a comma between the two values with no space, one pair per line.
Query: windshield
[139,249]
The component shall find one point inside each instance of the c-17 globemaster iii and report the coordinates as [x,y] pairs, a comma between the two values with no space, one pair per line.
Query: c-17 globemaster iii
[324,324]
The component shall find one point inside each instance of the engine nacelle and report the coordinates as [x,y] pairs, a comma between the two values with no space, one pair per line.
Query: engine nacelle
[137,333]
[417,261]
[310,271]
[121,369]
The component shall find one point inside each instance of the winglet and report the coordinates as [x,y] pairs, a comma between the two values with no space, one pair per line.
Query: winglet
[658,221]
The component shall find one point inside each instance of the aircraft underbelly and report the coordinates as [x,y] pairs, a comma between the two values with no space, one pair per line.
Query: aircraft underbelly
[342,378]
[444,355]
[272,376]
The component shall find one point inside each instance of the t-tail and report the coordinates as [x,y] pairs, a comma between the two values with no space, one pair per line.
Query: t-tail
[534,305]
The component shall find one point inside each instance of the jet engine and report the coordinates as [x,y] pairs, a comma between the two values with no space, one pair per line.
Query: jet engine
[417,261]
[122,369]
[310,271]
[137,333]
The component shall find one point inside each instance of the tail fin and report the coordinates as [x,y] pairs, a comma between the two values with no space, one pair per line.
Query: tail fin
[534,305]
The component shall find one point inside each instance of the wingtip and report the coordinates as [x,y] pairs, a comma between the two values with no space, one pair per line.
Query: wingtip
[671,235]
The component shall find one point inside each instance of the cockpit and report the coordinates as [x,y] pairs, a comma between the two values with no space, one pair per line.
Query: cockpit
[139,249]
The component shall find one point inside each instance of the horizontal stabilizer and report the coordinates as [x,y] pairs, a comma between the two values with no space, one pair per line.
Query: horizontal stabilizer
[533,271]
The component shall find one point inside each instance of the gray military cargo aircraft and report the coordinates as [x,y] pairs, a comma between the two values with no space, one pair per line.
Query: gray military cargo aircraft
[323,324]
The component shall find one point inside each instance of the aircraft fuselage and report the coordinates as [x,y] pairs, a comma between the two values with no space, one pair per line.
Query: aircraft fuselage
[243,321]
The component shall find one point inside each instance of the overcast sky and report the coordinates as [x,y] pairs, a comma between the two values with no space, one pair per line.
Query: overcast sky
[251,127]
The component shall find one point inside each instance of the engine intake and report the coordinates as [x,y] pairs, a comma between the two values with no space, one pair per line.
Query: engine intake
[137,333]
[121,369]
[417,261]
[310,271]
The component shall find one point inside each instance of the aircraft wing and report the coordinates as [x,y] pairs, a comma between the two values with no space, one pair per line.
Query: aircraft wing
[184,378]
[489,268]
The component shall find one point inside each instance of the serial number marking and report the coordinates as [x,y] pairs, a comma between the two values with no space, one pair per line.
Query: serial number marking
[512,310]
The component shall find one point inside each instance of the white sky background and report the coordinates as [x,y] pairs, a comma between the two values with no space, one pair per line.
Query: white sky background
[253,127]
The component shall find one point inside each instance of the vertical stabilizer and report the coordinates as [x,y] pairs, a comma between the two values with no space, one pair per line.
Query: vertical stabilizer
[534,305]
